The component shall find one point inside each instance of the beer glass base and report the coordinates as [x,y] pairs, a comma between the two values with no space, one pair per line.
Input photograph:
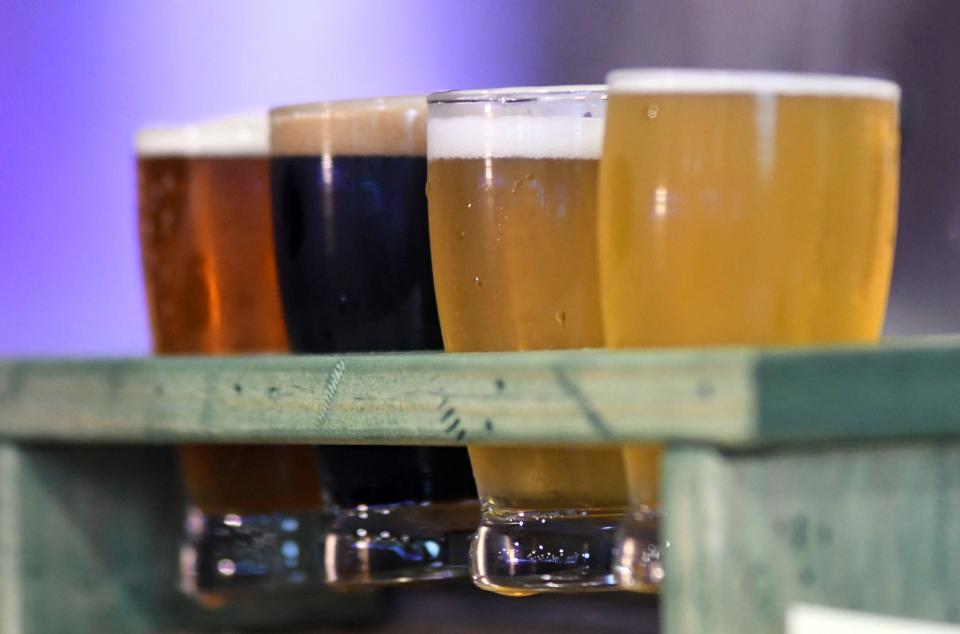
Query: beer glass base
[395,544]
[224,557]
[522,553]
[639,567]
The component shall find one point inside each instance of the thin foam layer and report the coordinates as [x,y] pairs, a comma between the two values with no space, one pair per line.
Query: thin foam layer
[384,126]
[646,81]
[517,136]
[518,94]
[239,135]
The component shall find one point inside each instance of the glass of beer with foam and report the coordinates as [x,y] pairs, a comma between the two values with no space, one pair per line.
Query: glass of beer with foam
[512,189]
[741,208]
[353,256]
[207,248]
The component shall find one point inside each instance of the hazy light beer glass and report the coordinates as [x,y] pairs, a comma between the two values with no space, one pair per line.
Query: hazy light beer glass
[512,190]
[207,247]
[741,208]
[352,247]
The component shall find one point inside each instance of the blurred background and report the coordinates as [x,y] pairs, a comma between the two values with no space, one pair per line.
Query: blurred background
[77,78]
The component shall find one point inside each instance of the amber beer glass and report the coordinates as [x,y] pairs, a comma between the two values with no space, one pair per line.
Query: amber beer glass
[207,251]
[353,254]
[741,208]
[512,190]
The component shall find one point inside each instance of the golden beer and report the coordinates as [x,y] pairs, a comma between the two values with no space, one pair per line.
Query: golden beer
[522,277]
[744,208]
[512,196]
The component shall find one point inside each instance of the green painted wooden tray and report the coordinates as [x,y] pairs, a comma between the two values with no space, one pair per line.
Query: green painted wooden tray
[825,475]
[731,397]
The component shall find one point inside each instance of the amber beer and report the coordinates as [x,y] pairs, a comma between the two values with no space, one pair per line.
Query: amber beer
[743,208]
[207,249]
[512,192]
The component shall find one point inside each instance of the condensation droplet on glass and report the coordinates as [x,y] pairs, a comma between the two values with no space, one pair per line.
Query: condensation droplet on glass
[652,111]
[469,205]
[517,184]
[462,235]
[477,281]
[561,317]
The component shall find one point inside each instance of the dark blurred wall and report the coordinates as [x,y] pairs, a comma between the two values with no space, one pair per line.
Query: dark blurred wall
[915,42]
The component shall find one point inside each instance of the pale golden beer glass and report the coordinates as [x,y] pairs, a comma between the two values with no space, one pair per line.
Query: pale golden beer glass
[741,208]
[512,195]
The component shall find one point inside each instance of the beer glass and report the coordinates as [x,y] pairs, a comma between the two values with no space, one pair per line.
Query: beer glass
[741,208]
[352,248]
[204,216]
[512,190]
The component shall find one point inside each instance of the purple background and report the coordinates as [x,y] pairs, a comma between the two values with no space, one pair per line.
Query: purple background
[76,79]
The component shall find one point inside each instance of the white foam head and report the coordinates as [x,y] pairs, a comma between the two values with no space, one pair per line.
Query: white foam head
[237,135]
[544,122]
[691,81]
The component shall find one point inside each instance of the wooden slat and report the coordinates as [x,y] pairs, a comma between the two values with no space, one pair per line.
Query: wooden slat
[874,528]
[724,396]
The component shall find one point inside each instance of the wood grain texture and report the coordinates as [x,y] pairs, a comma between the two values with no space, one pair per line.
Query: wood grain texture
[870,527]
[733,397]
[578,397]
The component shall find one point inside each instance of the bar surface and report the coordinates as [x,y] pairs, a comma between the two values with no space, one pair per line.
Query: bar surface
[726,396]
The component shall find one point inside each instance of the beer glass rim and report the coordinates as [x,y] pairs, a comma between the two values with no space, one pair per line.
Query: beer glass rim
[245,133]
[520,94]
[724,81]
[342,105]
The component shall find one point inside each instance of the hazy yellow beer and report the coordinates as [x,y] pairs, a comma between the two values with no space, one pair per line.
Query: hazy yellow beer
[512,194]
[743,208]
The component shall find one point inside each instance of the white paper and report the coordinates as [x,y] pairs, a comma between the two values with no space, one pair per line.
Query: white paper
[816,619]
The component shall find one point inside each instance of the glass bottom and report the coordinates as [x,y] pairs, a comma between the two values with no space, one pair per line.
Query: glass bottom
[519,553]
[398,543]
[224,557]
[639,566]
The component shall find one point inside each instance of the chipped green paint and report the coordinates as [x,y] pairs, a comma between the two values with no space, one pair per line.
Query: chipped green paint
[734,397]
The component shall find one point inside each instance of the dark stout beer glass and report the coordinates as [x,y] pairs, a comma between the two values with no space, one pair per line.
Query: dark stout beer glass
[204,209]
[350,222]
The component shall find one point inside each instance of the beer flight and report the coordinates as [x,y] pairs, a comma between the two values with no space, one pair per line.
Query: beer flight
[667,208]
